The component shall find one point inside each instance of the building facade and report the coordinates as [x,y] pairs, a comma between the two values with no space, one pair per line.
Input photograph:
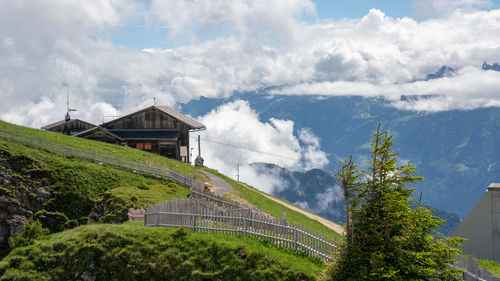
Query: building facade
[157,129]
[69,126]
[482,226]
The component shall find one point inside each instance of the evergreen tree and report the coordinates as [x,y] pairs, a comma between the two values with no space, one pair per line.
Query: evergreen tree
[389,236]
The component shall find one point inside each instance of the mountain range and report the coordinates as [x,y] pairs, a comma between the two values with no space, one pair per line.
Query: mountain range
[456,151]
[317,191]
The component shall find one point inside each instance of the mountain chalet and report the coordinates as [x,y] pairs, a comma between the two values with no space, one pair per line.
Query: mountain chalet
[157,129]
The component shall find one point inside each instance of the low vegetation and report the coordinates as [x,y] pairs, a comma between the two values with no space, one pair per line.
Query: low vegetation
[63,192]
[251,195]
[134,252]
[77,192]
[255,197]
[101,148]
[114,205]
[491,266]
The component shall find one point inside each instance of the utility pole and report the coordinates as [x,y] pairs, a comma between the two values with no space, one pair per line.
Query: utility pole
[199,146]
[194,165]
[238,169]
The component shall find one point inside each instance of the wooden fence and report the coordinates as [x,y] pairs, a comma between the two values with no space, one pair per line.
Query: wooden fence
[197,191]
[473,271]
[65,151]
[204,216]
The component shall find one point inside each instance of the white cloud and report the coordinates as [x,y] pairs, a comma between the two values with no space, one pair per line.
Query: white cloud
[227,46]
[236,135]
[269,182]
[324,202]
[331,195]
[312,155]
[242,18]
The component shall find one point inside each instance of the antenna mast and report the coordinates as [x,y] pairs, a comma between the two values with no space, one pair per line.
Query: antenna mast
[67,117]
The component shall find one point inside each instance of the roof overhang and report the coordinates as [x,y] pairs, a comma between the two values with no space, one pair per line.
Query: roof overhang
[190,122]
[99,128]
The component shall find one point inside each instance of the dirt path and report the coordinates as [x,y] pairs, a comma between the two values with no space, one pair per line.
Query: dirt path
[331,225]
[221,187]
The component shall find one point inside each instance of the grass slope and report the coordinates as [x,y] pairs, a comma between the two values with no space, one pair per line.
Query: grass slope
[134,252]
[491,266]
[101,148]
[255,197]
[76,186]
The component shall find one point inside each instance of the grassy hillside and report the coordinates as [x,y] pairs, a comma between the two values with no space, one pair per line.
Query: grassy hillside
[135,252]
[63,192]
[101,148]
[79,191]
[255,197]
[251,195]
[491,266]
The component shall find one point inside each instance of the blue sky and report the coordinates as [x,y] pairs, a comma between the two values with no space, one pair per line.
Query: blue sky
[335,9]
[141,34]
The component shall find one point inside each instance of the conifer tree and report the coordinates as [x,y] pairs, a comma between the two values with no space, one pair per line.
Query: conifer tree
[389,236]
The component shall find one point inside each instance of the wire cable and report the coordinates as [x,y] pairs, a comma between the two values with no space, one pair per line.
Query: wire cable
[249,149]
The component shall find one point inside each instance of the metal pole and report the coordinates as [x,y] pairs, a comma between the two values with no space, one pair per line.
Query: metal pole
[199,146]
[238,175]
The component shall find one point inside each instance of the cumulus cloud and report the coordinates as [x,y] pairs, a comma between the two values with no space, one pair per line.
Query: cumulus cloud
[237,136]
[325,203]
[244,19]
[226,46]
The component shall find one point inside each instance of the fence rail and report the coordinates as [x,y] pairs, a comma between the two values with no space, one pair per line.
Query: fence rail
[198,192]
[473,271]
[92,156]
[205,216]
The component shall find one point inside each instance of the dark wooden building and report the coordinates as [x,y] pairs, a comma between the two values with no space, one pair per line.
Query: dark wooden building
[69,126]
[157,129]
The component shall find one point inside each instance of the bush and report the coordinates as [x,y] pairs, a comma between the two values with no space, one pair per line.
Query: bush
[31,232]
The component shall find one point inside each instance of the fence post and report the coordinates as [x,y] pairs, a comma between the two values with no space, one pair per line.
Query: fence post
[157,215]
[244,225]
[194,223]
[295,237]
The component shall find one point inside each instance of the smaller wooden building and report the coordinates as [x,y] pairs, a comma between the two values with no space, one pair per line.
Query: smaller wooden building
[157,129]
[69,126]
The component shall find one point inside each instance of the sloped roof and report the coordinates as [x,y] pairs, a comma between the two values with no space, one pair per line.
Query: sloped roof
[494,185]
[181,117]
[53,125]
[100,129]
[62,122]
[193,124]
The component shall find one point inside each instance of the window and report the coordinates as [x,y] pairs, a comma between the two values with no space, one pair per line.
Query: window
[140,146]
[147,146]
